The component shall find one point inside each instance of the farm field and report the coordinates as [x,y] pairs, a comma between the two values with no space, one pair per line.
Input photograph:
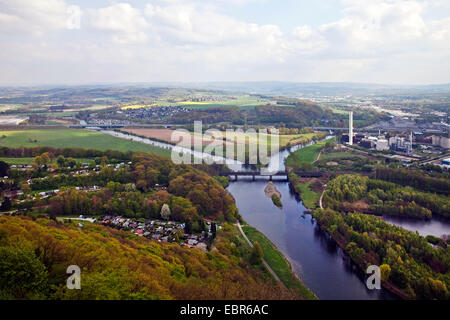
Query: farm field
[12,120]
[165,135]
[263,139]
[74,138]
[242,101]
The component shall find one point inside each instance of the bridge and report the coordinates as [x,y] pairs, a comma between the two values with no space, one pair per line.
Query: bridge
[254,174]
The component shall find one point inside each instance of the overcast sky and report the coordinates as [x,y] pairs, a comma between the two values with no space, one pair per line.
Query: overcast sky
[378,41]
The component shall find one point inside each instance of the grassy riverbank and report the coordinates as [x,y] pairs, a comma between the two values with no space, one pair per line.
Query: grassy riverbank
[278,262]
[305,155]
[310,198]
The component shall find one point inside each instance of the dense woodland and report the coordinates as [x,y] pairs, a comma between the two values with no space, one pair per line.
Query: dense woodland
[412,266]
[407,261]
[191,193]
[299,114]
[34,256]
[415,179]
[353,192]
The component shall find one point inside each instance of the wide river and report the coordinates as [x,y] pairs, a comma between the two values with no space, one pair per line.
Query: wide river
[314,256]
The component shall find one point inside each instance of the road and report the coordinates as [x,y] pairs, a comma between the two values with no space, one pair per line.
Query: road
[91,220]
[264,261]
[435,159]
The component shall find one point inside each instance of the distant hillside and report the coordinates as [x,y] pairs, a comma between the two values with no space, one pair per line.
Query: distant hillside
[291,112]
[115,264]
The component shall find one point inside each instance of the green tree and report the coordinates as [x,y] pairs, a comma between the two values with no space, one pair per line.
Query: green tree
[22,274]
[256,255]
[385,270]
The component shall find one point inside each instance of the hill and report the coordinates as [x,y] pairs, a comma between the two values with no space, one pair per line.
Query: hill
[114,264]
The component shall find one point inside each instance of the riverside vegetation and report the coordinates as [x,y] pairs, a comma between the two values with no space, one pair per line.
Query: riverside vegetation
[36,248]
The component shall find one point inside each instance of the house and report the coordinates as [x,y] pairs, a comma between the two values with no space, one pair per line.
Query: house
[13,194]
[192,242]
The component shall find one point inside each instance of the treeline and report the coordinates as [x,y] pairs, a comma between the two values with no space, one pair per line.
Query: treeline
[65,152]
[204,192]
[415,179]
[300,114]
[390,198]
[117,265]
[409,262]
[124,200]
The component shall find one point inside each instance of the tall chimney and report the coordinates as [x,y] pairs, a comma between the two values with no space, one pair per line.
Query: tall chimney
[350,129]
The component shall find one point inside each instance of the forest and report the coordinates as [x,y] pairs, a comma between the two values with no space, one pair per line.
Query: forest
[300,114]
[138,190]
[410,266]
[116,265]
[416,179]
[353,192]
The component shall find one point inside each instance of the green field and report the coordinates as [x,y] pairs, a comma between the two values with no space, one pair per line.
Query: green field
[307,154]
[277,262]
[27,161]
[309,197]
[18,161]
[242,101]
[74,138]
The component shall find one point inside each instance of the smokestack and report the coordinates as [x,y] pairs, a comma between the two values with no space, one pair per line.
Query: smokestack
[350,129]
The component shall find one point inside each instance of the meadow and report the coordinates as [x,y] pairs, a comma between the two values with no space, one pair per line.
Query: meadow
[308,154]
[73,138]
[310,198]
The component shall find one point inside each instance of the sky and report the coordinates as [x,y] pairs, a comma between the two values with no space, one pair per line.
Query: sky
[45,42]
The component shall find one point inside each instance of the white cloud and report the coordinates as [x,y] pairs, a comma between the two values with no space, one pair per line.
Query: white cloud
[125,23]
[190,40]
[190,23]
[33,17]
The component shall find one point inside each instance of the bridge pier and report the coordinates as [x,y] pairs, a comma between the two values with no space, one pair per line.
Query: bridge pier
[235,178]
[270,177]
[254,177]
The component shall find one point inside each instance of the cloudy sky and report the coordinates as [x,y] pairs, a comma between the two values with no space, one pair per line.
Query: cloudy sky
[104,41]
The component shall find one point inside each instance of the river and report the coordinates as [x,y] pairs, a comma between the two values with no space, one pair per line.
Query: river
[314,256]
[435,227]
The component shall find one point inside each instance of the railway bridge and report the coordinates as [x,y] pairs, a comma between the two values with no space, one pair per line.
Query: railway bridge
[254,174]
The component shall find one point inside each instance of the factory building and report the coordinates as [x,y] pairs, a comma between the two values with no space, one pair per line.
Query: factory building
[443,142]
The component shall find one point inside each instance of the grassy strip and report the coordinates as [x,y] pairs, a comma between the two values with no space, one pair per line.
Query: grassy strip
[306,154]
[309,197]
[278,263]
[74,138]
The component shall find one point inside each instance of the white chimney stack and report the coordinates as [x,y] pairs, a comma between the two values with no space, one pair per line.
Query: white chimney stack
[350,129]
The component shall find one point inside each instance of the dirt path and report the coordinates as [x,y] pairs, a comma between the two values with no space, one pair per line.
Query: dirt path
[264,261]
[320,200]
[318,157]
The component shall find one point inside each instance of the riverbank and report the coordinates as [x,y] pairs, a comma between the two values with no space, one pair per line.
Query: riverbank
[388,285]
[278,263]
